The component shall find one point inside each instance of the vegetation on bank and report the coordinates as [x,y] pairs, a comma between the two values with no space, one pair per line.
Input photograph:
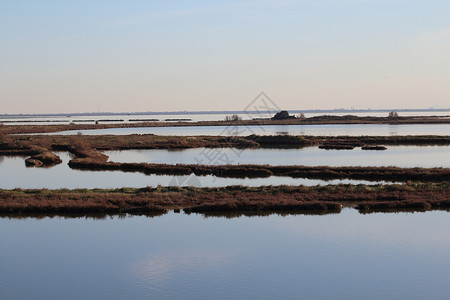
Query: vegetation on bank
[88,155]
[22,144]
[94,160]
[234,199]
[44,158]
[230,200]
[317,120]
[392,174]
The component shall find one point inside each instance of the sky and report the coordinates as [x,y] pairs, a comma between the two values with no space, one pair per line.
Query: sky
[136,56]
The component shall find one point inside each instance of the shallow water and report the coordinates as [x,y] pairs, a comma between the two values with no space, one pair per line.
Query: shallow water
[314,130]
[400,156]
[343,256]
[14,174]
[126,118]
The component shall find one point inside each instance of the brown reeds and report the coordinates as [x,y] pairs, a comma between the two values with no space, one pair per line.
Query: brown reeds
[393,174]
[376,147]
[44,158]
[149,141]
[233,199]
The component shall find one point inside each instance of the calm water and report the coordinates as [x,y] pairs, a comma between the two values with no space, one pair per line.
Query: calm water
[401,156]
[315,130]
[125,118]
[14,174]
[177,256]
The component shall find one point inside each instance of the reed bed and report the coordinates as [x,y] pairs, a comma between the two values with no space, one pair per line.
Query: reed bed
[233,199]
[149,141]
[393,174]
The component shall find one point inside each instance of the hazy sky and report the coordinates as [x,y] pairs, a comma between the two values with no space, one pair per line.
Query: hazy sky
[117,55]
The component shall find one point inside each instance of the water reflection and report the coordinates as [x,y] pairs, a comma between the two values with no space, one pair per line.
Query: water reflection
[126,118]
[191,257]
[185,180]
[80,216]
[393,130]
[313,130]
[14,174]
[400,156]
[249,214]
[158,268]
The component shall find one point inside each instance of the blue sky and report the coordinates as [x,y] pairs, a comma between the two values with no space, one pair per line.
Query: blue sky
[79,56]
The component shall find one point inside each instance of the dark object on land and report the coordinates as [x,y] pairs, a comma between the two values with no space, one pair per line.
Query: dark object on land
[282,115]
[393,115]
[30,162]
[43,159]
[373,148]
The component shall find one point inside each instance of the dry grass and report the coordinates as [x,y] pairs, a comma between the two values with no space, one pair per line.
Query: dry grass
[393,174]
[149,141]
[234,199]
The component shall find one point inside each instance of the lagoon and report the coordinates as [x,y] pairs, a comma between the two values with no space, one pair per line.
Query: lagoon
[313,130]
[399,156]
[14,174]
[339,256]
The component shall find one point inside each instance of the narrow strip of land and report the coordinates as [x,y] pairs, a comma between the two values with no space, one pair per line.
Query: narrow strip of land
[392,174]
[23,144]
[234,199]
[317,120]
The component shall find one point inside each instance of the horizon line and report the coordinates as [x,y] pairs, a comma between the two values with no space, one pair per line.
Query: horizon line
[180,112]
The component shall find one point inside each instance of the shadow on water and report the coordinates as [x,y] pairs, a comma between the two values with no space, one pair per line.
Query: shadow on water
[217,214]
[237,214]
[227,215]
[94,216]
[399,210]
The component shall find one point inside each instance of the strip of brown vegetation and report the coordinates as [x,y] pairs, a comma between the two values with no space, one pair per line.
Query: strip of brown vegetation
[376,148]
[86,148]
[234,199]
[393,174]
[14,143]
[44,158]
[318,120]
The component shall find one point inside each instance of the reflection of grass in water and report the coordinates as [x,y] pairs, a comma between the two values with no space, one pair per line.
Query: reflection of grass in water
[261,171]
[233,199]
[283,213]
[93,216]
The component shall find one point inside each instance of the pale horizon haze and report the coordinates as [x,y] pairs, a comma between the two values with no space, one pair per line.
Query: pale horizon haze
[137,56]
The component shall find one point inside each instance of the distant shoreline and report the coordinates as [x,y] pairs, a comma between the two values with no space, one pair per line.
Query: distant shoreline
[213,112]
[318,120]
